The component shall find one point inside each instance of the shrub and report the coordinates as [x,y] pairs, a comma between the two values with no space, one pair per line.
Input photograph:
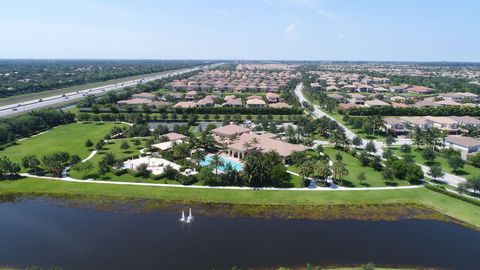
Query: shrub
[451,194]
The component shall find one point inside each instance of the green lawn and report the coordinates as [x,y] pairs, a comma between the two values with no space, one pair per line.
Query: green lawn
[354,166]
[112,146]
[467,171]
[452,207]
[69,138]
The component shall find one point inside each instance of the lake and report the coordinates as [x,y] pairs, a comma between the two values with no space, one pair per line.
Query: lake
[44,232]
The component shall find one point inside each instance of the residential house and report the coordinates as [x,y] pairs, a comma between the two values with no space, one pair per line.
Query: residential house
[416,121]
[444,123]
[466,145]
[466,121]
[396,125]
[272,97]
[255,102]
[357,99]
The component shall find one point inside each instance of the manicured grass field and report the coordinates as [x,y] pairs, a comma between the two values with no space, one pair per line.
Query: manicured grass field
[467,171]
[112,146]
[354,166]
[69,138]
[452,207]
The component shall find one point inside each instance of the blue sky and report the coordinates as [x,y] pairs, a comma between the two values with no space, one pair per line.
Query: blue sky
[395,30]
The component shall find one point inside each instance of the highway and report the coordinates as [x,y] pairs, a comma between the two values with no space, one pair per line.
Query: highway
[26,106]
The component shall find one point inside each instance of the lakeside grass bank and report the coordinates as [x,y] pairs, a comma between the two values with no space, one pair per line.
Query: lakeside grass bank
[446,205]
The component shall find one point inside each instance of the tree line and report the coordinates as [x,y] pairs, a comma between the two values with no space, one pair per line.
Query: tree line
[31,76]
[414,111]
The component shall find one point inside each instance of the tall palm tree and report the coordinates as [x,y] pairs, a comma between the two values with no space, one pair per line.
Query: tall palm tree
[217,162]
[339,170]
[180,150]
[198,156]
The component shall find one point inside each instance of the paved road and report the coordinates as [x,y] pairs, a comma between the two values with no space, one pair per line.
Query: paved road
[18,108]
[448,178]
[350,134]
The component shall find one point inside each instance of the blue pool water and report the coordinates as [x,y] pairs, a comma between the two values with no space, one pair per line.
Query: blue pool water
[208,159]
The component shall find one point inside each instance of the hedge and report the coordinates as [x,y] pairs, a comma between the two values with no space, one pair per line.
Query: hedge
[451,194]
[414,111]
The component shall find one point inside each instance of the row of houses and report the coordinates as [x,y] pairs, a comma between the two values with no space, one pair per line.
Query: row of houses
[446,99]
[239,80]
[271,100]
[450,124]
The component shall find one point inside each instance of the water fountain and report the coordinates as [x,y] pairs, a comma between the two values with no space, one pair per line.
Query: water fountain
[182,219]
[190,217]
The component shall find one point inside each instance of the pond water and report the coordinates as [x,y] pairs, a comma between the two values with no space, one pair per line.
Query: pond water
[39,232]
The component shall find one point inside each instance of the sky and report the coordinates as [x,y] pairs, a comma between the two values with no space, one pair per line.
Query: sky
[369,30]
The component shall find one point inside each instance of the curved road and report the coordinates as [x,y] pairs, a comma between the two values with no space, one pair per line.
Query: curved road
[448,178]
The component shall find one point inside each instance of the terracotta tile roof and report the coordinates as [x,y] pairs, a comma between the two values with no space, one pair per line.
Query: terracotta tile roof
[463,141]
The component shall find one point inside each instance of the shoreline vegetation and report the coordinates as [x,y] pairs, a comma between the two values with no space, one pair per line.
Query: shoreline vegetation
[384,205]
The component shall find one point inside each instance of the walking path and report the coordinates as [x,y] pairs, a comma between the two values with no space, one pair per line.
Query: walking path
[448,178]
[90,156]
[316,188]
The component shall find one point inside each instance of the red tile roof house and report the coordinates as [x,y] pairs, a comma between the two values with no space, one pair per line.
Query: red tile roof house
[135,101]
[230,131]
[357,99]
[395,125]
[255,103]
[185,104]
[205,102]
[444,123]
[279,105]
[466,145]
[417,121]
[272,97]
[264,143]
[172,136]
[144,95]
[233,102]
[420,90]
[191,95]
[466,121]
[375,102]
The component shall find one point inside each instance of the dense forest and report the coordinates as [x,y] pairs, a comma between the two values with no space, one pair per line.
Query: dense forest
[29,76]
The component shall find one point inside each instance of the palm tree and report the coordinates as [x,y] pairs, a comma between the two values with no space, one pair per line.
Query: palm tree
[217,162]
[321,169]
[180,150]
[198,155]
[339,170]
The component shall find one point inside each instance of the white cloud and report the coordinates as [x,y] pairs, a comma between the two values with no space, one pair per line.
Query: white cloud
[290,32]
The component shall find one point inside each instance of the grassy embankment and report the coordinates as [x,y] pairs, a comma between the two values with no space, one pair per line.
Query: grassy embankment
[454,208]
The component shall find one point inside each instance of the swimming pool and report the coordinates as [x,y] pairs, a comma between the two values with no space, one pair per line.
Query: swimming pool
[236,165]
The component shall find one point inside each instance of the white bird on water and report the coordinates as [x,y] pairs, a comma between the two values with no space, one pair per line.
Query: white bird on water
[182,219]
